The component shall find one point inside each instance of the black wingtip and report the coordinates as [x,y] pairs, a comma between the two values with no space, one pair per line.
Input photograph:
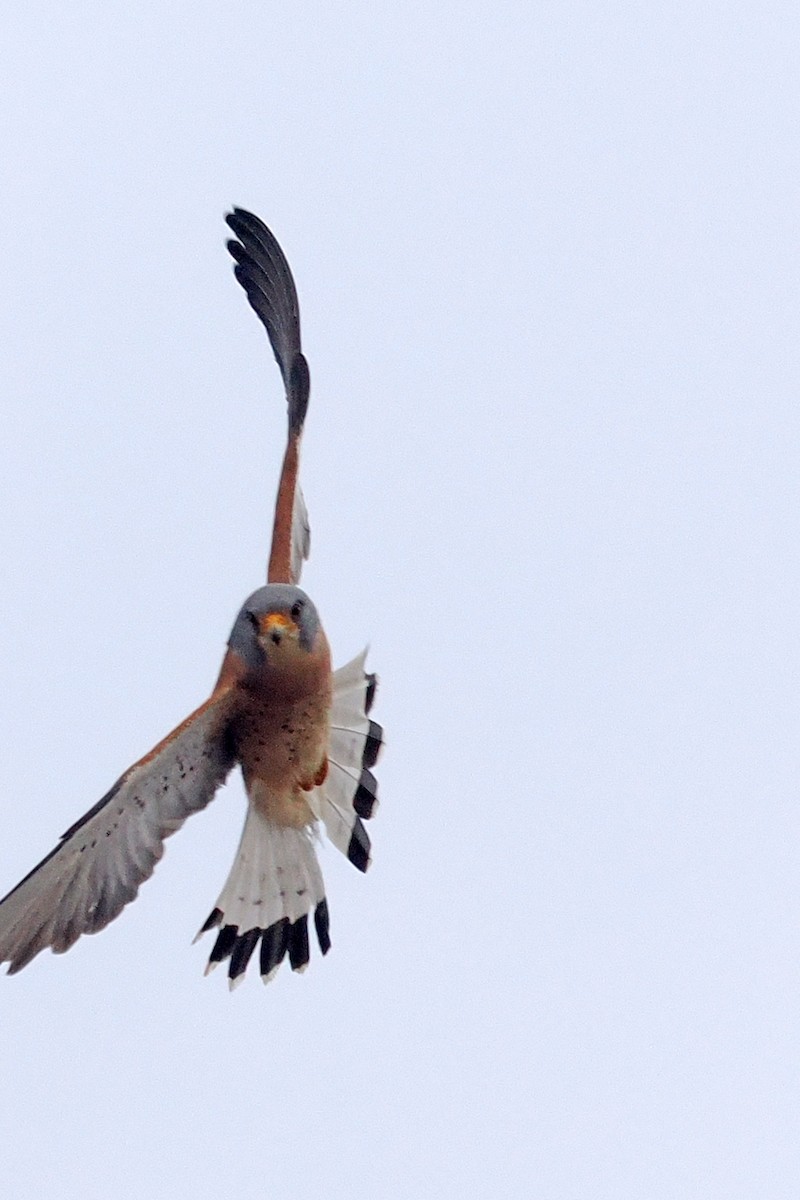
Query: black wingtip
[241,219]
[264,273]
[298,387]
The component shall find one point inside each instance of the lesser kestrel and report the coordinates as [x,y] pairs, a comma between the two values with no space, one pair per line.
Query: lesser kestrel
[299,731]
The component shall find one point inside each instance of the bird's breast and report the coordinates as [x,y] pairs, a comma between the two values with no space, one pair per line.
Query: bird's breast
[282,746]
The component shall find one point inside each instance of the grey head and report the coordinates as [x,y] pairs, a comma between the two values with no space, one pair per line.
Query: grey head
[270,615]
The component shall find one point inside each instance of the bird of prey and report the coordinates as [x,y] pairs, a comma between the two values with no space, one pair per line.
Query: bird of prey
[300,732]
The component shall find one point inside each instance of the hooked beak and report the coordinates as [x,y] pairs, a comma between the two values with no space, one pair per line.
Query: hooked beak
[274,626]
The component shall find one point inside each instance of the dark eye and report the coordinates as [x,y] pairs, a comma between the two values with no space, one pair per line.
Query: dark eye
[297,608]
[252,618]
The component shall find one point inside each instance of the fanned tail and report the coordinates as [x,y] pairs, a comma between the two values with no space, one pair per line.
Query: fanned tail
[274,884]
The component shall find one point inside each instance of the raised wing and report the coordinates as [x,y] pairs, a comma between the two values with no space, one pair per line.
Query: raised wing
[101,861]
[263,272]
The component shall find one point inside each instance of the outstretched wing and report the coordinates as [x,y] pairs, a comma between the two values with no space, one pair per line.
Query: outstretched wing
[100,862]
[263,272]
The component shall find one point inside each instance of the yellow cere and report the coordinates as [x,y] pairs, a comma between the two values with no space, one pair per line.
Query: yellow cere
[275,620]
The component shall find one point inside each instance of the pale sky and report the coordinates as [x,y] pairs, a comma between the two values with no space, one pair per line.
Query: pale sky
[547,258]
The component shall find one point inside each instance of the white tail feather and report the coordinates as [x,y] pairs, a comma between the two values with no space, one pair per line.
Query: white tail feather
[274,883]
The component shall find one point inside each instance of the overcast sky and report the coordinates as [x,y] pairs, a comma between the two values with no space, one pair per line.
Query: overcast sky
[547,258]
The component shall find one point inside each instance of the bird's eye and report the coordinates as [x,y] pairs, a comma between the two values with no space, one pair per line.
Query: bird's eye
[297,608]
[252,618]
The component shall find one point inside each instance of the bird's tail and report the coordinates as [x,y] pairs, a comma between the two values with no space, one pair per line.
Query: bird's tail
[274,884]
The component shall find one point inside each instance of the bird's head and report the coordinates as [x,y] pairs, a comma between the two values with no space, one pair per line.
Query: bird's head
[277,627]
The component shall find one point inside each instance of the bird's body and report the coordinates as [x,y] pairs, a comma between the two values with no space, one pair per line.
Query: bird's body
[281,730]
[299,731]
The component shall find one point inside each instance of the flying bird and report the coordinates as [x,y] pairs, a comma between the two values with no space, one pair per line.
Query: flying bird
[299,731]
